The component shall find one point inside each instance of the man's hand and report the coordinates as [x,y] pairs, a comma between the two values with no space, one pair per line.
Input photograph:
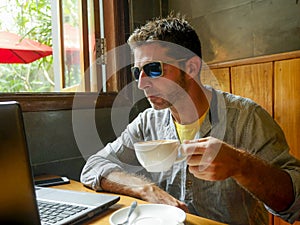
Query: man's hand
[211,159]
[152,193]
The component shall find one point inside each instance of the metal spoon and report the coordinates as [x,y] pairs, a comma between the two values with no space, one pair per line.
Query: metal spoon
[132,208]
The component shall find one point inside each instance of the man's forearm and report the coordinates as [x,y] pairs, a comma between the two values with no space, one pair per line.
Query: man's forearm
[269,184]
[124,183]
[139,187]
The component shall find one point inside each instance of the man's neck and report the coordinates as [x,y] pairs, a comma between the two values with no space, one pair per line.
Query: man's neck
[187,111]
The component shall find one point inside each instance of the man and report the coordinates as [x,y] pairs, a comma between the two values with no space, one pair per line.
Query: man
[238,162]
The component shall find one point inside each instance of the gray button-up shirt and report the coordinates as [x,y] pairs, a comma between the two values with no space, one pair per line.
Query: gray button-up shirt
[235,120]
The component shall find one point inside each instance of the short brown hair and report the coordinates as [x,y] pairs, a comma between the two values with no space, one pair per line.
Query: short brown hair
[174,29]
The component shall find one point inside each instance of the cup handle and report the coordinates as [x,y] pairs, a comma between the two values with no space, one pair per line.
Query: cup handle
[180,156]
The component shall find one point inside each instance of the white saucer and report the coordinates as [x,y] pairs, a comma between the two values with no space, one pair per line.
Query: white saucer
[150,214]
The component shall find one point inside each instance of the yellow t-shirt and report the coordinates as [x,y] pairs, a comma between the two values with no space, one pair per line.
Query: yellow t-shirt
[188,131]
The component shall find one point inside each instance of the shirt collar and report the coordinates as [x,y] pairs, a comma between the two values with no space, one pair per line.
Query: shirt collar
[212,125]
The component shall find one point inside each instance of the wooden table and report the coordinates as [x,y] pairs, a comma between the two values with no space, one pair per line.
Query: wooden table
[125,201]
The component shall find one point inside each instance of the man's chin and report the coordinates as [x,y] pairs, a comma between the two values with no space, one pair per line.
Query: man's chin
[158,105]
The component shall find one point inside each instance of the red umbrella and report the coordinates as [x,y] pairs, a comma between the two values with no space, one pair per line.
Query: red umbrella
[14,49]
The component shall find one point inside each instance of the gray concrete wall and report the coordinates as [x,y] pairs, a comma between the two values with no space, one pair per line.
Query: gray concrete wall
[232,29]
[235,29]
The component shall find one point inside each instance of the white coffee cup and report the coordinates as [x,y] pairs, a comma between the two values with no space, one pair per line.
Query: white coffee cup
[158,155]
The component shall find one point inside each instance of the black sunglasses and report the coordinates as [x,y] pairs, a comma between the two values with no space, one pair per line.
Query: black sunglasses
[152,69]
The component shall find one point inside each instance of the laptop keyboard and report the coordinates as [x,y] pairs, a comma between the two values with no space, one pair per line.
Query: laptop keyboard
[52,212]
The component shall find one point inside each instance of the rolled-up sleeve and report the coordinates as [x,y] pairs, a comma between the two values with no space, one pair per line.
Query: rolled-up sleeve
[97,167]
[120,155]
[293,212]
[275,150]
[116,156]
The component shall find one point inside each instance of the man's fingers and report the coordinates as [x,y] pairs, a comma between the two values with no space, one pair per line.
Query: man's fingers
[196,140]
[194,160]
[194,148]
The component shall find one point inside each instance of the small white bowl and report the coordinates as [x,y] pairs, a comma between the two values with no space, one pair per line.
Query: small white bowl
[150,214]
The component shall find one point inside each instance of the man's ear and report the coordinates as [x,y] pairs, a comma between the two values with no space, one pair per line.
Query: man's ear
[193,66]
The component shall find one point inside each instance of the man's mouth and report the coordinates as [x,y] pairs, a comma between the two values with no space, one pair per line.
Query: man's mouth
[157,100]
[153,97]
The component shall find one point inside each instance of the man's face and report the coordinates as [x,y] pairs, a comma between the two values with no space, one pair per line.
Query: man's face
[162,92]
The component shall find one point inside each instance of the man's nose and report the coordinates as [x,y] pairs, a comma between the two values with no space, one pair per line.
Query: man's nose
[144,81]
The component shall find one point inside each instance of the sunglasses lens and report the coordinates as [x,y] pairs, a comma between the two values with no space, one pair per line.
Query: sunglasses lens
[153,69]
[135,72]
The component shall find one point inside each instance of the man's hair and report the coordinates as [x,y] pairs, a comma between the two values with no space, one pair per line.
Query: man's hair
[174,29]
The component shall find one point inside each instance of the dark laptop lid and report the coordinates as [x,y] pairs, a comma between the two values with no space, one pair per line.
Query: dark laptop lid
[17,198]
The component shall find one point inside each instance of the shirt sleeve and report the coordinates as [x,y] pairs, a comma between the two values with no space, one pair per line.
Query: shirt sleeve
[292,214]
[116,156]
[269,143]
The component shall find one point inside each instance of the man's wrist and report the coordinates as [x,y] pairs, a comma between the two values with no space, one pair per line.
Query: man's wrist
[146,190]
[242,164]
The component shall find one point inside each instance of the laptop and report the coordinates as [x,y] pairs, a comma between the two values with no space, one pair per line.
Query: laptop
[20,201]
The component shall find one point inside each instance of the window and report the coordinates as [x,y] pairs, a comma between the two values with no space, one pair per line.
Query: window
[78,31]
[90,26]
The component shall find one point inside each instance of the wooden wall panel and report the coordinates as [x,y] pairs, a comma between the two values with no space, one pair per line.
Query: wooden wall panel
[217,78]
[287,101]
[255,82]
[278,221]
[273,82]
[287,106]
